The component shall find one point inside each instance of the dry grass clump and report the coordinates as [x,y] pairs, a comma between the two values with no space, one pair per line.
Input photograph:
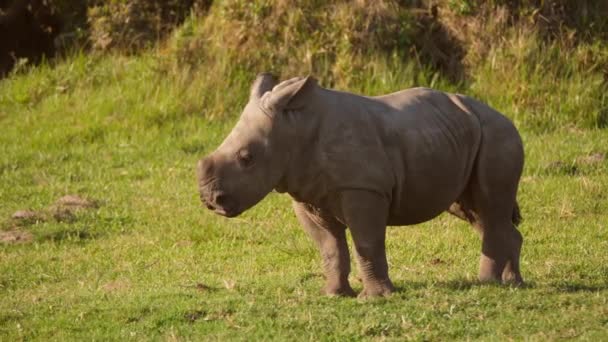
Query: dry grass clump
[522,57]
[481,26]
[331,38]
[325,38]
[134,24]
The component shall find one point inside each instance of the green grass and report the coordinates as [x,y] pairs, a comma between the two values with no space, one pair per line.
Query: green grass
[150,263]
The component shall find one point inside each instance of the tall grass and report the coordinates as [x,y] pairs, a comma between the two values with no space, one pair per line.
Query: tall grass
[543,76]
[541,86]
[378,47]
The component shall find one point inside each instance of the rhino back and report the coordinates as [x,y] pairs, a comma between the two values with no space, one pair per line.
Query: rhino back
[423,142]
[416,147]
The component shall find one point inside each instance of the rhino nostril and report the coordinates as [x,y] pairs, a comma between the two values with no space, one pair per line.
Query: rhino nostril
[221,200]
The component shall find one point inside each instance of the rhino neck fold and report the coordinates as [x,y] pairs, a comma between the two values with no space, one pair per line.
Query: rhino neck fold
[303,178]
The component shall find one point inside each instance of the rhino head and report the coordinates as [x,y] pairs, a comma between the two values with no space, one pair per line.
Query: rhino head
[254,157]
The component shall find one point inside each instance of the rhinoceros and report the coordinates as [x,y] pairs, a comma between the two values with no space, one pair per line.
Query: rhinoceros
[367,162]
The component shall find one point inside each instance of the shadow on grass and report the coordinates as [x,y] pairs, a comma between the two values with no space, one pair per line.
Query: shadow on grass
[6,318]
[80,227]
[459,284]
[578,287]
[467,284]
[68,234]
[308,276]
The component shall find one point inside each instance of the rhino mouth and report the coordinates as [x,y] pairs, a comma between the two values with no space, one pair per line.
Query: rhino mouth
[226,208]
[225,212]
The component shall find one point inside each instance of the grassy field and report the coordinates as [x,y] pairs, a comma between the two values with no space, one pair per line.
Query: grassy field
[144,261]
[149,263]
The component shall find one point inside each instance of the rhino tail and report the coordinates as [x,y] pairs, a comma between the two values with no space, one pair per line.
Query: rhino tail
[516,216]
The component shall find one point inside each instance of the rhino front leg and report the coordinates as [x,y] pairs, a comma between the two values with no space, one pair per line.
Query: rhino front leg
[330,237]
[365,214]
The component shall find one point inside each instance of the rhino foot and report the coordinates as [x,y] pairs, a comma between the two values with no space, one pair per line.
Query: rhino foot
[491,271]
[338,291]
[380,289]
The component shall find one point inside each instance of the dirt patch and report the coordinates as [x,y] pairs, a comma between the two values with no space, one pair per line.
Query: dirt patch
[200,287]
[592,159]
[24,217]
[63,215]
[63,210]
[562,168]
[578,166]
[437,261]
[15,236]
[115,286]
[66,207]
[203,288]
[76,202]
[193,316]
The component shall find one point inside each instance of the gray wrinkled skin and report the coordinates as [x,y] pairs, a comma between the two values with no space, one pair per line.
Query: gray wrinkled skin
[368,162]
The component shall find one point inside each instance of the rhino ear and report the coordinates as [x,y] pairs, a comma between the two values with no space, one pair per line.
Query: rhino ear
[291,94]
[263,83]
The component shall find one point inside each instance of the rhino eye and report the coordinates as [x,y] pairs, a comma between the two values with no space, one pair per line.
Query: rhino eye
[245,158]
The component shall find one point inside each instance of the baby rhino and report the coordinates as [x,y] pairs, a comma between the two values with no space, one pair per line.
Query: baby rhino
[368,162]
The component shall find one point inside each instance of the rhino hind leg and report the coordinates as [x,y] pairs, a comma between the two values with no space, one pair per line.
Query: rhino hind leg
[496,213]
[501,246]
[489,205]
[501,241]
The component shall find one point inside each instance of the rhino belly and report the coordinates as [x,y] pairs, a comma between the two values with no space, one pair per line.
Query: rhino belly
[429,184]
